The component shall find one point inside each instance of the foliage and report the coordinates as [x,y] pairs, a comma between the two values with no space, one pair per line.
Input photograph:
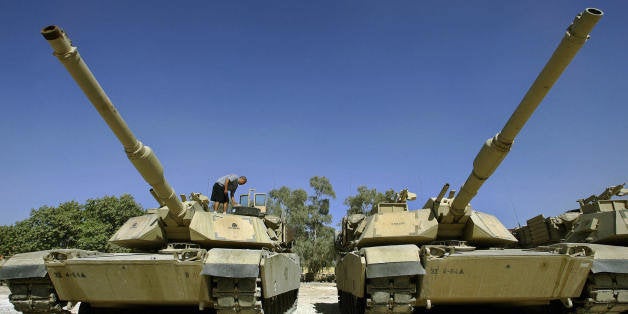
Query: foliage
[103,216]
[309,214]
[7,239]
[70,225]
[367,199]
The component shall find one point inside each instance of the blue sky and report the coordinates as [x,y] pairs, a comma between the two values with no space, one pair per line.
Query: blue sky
[377,93]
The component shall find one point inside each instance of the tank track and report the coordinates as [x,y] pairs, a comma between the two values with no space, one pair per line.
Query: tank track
[35,295]
[244,296]
[236,295]
[383,295]
[350,304]
[604,293]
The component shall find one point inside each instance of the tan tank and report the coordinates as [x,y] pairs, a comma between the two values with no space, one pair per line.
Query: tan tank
[183,254]
[600,219]
[602,223]
[396,260]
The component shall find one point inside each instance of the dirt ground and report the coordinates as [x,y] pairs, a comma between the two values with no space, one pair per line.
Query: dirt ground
[317,297]
[5,306]
[314,298]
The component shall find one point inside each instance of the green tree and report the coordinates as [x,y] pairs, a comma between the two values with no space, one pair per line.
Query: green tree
[102,217]
[49,227]
[69,225]
[7,240]
[283,199]
[310,215]
[367,199]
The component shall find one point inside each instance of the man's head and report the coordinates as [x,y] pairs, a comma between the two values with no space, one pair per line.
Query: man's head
[242,180]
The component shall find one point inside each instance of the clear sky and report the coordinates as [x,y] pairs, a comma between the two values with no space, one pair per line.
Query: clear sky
[387,94]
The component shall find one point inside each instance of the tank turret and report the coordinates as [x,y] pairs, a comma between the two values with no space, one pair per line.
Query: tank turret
[600,219]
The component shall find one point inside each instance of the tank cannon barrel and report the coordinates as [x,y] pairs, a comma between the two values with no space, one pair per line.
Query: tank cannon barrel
[141,156]
[496,148]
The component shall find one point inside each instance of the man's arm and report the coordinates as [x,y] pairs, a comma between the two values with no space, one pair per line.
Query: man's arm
[226,186]
[233,202]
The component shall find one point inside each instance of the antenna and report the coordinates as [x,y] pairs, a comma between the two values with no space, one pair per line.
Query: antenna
[514,210]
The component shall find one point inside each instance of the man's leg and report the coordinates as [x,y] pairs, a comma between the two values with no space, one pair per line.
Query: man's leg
[217,192]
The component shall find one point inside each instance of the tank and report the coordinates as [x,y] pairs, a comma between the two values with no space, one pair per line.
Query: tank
[599,223]
[183,254]
[599,219]
[397,260]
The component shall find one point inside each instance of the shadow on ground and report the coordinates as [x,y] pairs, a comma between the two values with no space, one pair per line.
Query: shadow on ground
[332,308]
[326,308]
[489,309]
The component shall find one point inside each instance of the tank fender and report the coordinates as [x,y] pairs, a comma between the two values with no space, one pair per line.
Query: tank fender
[280,273]
[350,274]
[234,263]
[392,260]
[608,258]
[619,266]
[24,265]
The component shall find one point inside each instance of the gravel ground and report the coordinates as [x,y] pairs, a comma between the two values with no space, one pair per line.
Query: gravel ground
[314,298]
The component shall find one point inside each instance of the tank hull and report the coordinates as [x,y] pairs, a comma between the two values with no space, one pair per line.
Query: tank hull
[378,280]
[228,280]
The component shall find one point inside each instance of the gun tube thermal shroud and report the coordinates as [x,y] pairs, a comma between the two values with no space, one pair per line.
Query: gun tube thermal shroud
[141,156]
[495,149]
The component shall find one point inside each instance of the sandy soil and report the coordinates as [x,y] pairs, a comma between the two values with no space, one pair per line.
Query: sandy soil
[314,298]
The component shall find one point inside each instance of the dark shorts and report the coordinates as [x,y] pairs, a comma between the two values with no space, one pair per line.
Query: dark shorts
[218,194]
